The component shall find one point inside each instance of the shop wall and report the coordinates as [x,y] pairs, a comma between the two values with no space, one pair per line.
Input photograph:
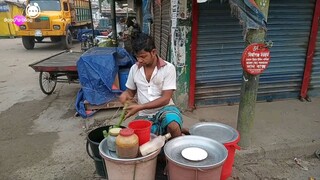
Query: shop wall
[171,29]
[180,46]
[220,45]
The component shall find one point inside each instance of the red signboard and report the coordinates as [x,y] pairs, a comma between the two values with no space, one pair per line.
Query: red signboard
[255,58]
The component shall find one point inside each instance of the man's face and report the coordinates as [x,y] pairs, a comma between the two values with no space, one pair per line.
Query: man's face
[146,58]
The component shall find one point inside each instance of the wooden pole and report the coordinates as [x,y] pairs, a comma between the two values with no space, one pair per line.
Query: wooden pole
[250,85]
[113,20]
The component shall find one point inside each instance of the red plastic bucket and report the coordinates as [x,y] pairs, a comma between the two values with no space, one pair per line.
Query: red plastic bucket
[227,166]
[142,128]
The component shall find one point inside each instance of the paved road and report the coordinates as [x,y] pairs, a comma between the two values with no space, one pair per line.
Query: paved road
[40,138]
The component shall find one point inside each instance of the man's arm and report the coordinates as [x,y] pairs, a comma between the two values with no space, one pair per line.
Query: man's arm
[128,94]
[161,101]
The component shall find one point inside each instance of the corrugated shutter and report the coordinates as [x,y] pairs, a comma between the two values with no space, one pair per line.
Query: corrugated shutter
[165,30]
[157,25]
[161,27]
[220,45]
[289,26]
[314,88]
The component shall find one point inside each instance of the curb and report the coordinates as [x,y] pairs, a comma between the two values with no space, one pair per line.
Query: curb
[281,151]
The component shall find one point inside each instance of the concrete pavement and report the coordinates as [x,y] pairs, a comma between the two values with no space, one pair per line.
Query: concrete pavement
[281,128]
[285,136]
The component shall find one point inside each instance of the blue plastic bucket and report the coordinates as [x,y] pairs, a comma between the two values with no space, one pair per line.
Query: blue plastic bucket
[123,76]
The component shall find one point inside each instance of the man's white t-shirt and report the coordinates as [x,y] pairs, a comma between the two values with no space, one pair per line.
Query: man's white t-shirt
[163,78]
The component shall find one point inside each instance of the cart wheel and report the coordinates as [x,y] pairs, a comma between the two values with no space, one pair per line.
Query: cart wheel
[47,82]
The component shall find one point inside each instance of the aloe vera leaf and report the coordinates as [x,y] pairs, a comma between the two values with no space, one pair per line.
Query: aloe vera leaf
[123,114]
[105,133]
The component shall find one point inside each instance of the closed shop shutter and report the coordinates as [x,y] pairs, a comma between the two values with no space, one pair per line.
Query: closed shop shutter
[220,46]
[314,87]
[161,27]
[156,25]
[165,30]
[289,26]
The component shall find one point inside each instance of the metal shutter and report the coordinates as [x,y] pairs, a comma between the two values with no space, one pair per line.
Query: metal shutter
[165,30]
[220,46]
[161,27]
[289,25]
[157,25]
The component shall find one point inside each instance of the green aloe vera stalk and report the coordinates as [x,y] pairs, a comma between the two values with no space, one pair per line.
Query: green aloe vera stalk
[105,133]
[123,114]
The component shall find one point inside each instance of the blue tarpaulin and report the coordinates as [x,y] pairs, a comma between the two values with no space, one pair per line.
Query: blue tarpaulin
[97,69]
[249,14]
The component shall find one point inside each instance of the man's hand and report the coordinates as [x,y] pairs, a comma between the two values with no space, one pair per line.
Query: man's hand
[132,109]
[125,97]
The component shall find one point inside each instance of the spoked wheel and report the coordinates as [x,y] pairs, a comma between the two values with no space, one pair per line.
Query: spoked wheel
[47,82]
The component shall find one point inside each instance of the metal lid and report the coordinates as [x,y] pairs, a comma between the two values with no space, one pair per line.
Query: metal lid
[217,153]
[216,131]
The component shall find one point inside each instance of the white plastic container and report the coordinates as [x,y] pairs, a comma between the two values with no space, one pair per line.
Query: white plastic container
[153,144]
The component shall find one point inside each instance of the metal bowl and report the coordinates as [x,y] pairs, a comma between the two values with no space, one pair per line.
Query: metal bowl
[217,153]
[216,131]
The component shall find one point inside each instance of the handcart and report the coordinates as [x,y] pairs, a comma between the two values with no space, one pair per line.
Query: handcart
[60,67]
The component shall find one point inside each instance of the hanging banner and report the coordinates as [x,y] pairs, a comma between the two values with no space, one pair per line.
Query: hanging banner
[255,58]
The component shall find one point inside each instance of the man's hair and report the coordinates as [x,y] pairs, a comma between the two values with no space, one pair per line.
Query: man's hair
[142,41]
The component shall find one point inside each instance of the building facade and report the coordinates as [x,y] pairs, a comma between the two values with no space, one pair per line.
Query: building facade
[206,42]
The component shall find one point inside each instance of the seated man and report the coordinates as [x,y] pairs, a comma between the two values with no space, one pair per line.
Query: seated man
[153,80]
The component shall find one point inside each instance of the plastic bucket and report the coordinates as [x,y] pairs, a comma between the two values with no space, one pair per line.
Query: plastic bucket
[140,168]
[100,167]
[227,167]
[224,134]
[142,128]
[123,76]
[93,140]
[180,168]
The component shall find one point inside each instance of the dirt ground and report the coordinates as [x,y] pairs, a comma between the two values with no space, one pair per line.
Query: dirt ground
[42,139]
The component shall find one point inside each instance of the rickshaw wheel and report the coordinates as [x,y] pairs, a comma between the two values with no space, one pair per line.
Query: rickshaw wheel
[47,82]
